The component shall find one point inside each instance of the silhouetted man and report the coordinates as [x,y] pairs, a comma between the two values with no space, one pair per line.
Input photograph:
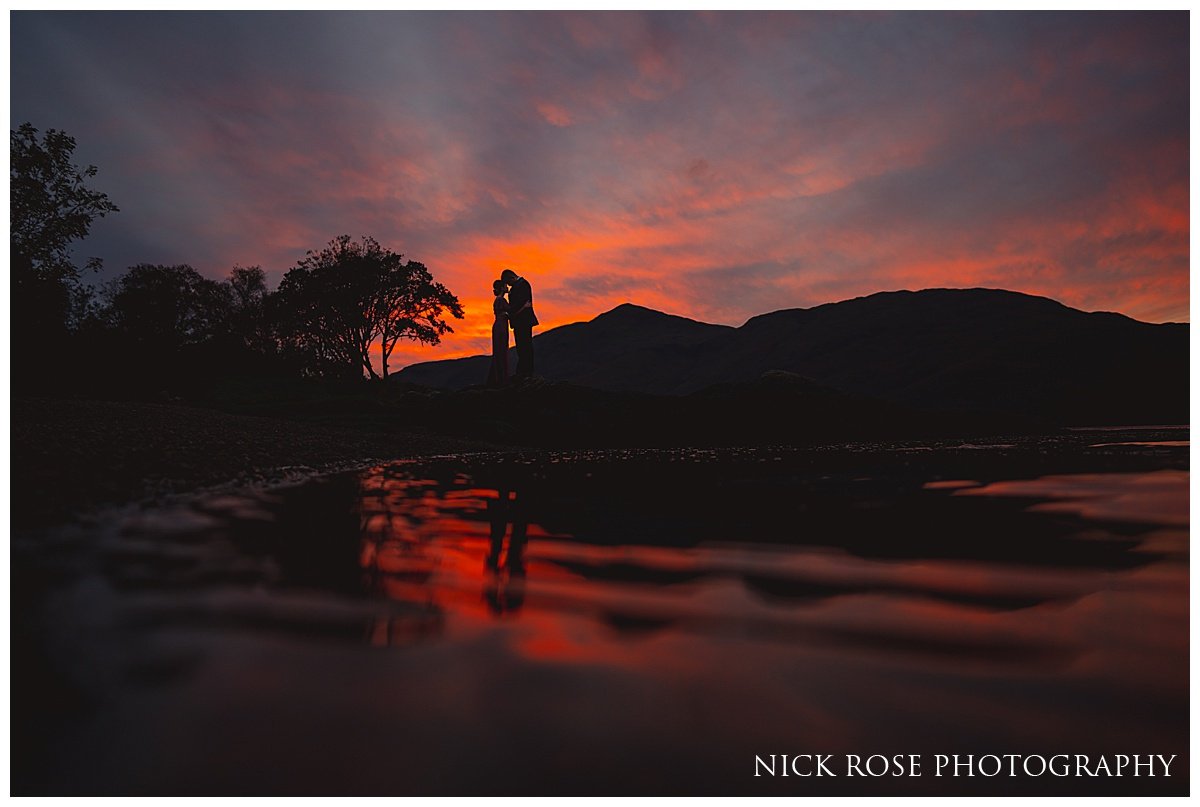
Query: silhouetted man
[522,319]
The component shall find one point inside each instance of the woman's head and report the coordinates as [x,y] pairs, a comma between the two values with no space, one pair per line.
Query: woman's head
[498,287]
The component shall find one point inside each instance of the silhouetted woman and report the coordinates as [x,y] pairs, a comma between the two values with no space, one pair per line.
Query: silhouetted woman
[498,374]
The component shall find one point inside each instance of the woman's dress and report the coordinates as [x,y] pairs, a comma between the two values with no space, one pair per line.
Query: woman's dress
[498,374]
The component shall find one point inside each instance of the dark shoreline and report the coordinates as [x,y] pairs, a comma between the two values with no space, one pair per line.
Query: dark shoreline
[72,457]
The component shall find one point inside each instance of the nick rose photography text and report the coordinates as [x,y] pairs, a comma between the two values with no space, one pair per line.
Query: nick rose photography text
[804,765]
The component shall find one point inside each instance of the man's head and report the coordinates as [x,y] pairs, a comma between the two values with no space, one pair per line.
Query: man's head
[508,276]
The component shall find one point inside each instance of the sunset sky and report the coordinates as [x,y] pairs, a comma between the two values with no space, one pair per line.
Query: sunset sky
[711,165]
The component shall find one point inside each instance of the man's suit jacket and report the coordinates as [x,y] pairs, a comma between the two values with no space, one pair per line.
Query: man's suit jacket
[519,294]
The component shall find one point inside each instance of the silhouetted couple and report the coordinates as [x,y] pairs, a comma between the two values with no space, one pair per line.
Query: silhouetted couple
[516,312]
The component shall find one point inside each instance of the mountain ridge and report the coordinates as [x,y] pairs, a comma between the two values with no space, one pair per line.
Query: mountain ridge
[979,349]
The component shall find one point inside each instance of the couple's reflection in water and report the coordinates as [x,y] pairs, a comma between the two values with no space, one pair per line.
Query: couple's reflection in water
[504,582]
[418,563]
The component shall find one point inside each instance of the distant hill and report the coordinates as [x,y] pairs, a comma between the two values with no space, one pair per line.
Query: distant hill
[627,349]
[983,350]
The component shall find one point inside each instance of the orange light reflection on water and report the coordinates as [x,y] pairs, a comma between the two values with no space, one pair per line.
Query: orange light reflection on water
[433,548]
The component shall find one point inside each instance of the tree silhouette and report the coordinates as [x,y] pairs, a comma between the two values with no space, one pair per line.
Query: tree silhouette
[249,285]
[412,306]
[157,327]
[248,295]
[51,206]
[323,312]
[163,309]
[336,303]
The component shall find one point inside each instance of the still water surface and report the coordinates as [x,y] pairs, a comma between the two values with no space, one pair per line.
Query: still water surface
[618,622]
